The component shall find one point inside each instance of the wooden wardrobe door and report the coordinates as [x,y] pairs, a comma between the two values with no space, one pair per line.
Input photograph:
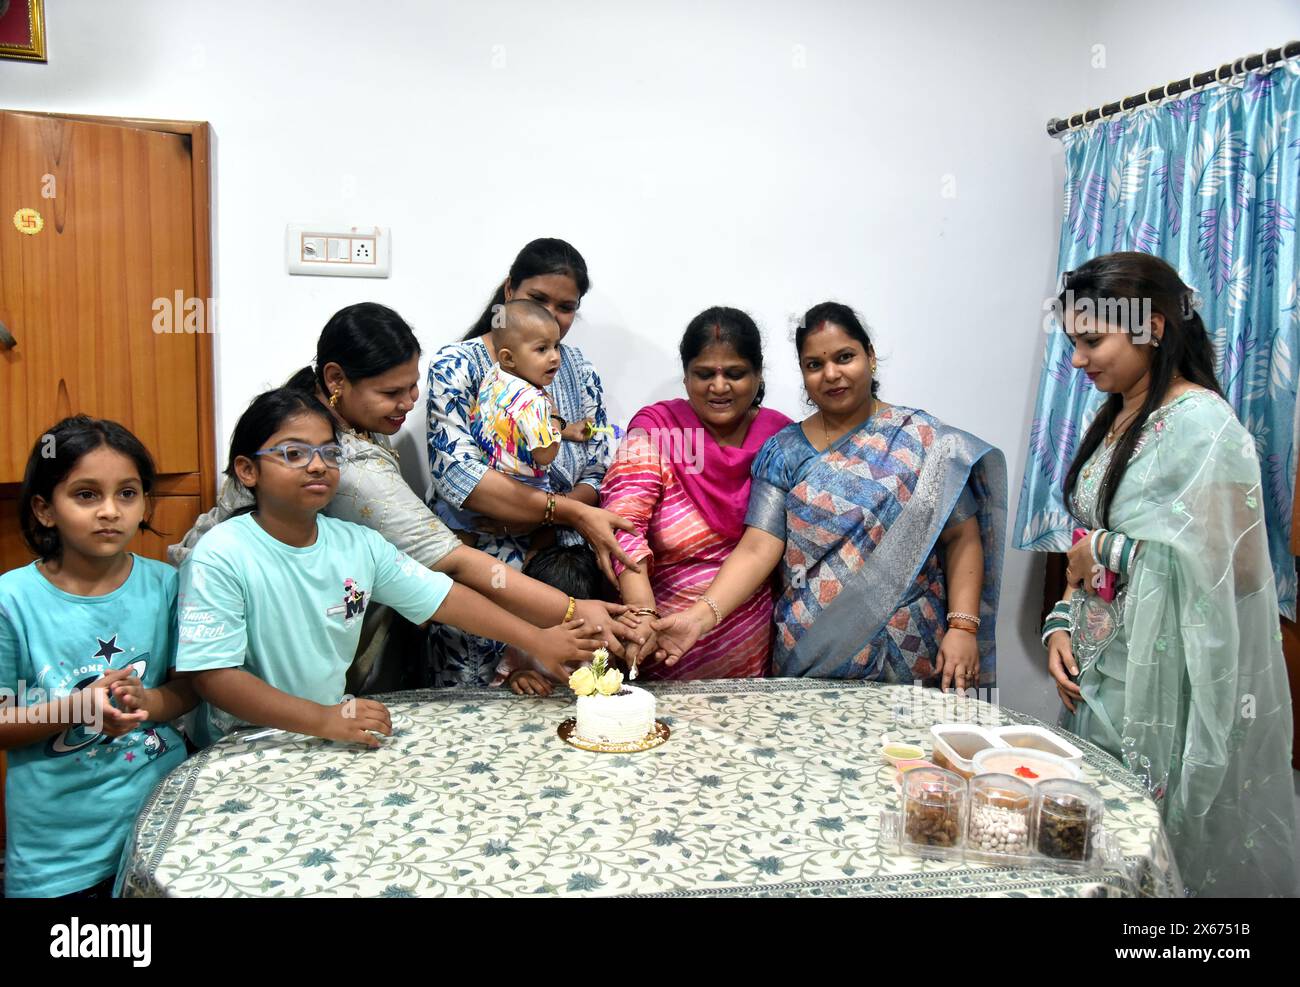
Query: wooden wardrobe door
[80,296]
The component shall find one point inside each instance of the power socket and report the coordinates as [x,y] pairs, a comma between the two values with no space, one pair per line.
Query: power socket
[339,251]
[363,250]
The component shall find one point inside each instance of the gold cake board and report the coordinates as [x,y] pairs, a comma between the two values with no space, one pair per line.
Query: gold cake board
[649,742]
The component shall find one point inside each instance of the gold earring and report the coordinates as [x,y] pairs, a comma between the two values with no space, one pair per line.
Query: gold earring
[334,400]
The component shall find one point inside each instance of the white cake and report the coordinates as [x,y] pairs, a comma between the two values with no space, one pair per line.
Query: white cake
[623,718]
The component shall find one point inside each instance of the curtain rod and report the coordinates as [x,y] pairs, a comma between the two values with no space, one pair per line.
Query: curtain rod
[1224,72]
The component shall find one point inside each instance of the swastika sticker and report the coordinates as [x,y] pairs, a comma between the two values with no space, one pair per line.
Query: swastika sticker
[28,221]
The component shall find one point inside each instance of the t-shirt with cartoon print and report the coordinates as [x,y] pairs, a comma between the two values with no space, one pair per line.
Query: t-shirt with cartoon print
[291,616]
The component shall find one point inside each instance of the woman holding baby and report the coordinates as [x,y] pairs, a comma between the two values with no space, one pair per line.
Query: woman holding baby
[511,518]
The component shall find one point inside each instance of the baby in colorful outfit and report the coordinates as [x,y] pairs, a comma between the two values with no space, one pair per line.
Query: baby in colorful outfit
[514,420]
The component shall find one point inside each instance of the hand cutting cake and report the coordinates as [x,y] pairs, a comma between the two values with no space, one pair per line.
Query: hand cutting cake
[610,712]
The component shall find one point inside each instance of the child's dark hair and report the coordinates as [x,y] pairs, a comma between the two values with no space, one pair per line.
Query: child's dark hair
[571,569]
[1122,282]
[543,256]
[846,319]
[56,454]
[266,415]
[731,327]
[365,340]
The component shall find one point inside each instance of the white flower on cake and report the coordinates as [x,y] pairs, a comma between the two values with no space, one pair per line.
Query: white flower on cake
[610,682]
[596,677]
[583,681]
[609,711]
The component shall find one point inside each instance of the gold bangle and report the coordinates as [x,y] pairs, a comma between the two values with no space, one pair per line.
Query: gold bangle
[718,617]
[568,614]
[549,516]
[645,612]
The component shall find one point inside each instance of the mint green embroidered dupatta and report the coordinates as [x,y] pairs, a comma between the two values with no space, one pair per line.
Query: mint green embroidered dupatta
[1192,692]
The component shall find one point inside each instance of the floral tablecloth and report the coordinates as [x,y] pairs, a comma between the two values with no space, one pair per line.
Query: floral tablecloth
[766,787]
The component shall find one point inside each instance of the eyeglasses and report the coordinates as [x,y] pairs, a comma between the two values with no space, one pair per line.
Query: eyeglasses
[298,455]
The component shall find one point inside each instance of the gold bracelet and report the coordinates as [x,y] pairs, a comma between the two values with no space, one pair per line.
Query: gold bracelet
[549,516]
[645,612]
[568,614]
[717,614]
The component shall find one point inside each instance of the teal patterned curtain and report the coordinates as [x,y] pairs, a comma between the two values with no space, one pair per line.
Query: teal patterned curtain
[1209,183]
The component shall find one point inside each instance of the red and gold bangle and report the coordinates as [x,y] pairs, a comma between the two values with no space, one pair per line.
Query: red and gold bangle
[964,622]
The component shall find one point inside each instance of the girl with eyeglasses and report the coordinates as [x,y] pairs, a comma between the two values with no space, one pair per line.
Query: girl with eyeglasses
[272,599]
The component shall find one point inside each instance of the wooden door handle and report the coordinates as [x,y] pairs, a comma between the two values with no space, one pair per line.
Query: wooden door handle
[7,341]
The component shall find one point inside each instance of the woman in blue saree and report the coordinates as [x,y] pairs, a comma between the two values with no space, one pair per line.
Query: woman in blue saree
[1175,668]
[886,524]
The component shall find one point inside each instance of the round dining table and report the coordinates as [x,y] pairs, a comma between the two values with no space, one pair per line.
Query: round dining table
[765,787]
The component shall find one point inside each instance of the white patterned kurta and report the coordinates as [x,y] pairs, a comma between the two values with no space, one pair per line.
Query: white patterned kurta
[457,464]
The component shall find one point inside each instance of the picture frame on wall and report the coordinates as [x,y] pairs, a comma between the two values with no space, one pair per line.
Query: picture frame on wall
[22,29]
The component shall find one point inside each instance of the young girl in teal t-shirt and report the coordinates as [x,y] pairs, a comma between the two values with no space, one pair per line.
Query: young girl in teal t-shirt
[87,641]
[271,602]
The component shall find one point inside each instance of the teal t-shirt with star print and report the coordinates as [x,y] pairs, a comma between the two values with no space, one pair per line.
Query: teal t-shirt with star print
[71,799]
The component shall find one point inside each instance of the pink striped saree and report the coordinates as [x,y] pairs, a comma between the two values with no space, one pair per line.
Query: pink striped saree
[661,473]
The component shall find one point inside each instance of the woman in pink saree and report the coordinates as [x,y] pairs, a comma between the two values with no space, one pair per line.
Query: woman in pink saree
[682,478]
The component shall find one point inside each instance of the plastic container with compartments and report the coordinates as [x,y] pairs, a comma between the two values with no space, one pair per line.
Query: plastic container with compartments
[1028,765]
[956,744]
[1036,738]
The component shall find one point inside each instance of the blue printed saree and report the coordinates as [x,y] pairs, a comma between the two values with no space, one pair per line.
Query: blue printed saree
[863,588]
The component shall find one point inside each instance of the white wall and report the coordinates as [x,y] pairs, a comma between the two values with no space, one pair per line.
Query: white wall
[1149,44]
[762,155]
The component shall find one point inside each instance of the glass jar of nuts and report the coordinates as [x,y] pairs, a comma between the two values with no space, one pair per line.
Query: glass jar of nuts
[934,808]
[1067,816]
[998,818]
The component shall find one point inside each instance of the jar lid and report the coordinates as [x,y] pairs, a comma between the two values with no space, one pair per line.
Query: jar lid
[1001,788]
[1069,796]
[933,784]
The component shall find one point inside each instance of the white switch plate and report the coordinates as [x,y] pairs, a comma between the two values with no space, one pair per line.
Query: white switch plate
[355,252]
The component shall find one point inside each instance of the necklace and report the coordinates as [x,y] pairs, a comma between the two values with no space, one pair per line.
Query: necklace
[875,406]
[1110,435]
[358,433]
[1116,430]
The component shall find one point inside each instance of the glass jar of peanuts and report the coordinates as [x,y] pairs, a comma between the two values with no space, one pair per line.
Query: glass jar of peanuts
[998,815]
